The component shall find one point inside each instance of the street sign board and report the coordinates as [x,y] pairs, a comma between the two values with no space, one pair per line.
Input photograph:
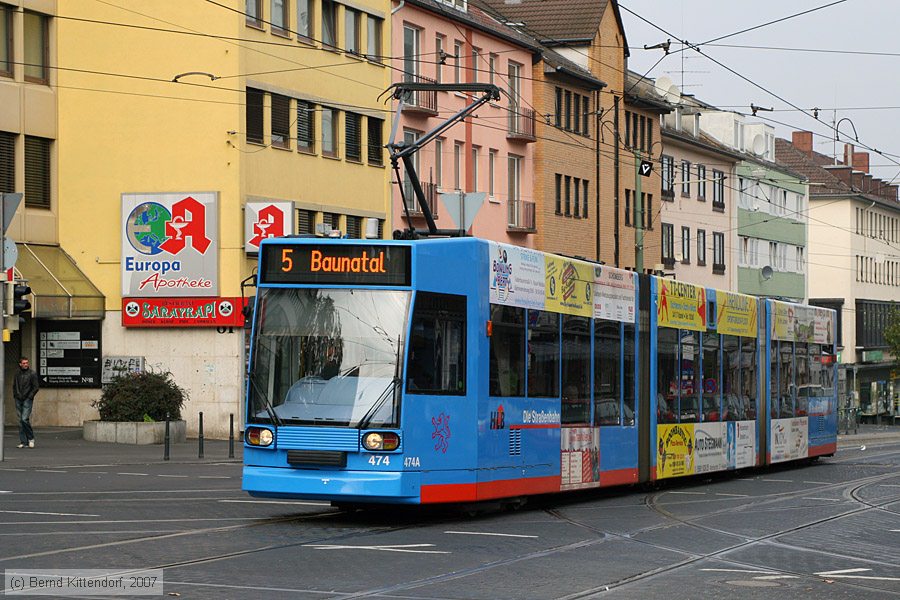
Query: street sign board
[646,168]
[68,353]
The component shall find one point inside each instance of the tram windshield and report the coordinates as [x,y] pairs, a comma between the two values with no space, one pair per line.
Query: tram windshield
[328,357]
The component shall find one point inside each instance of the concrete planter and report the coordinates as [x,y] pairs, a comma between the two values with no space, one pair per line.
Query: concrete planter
[134,432]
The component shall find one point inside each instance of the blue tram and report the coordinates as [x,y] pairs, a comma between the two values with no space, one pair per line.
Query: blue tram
[463,370]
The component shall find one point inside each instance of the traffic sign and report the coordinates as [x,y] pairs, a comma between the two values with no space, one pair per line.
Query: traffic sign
[10,205]
[646,168]
[10,254]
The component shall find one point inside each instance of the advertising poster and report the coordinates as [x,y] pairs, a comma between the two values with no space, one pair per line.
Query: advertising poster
[741,444]
[823,327]
[266,220]
[569,286]
[738,314]
[681,305]
[614,294]
[170,244]
[790,439]
[516,276]
[183,312]
[580,467]
[710,447]
[798,323]
[675,450]
[799,439]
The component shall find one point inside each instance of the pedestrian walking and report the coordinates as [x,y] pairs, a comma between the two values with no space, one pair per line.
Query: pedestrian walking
[25,386]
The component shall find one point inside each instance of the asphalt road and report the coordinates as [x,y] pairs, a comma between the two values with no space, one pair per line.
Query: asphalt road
[825,530]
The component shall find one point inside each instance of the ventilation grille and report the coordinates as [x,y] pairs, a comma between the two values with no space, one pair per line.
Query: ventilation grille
[515,442]
[319,458]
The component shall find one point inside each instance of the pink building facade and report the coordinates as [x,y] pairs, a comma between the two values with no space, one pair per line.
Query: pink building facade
[491,151]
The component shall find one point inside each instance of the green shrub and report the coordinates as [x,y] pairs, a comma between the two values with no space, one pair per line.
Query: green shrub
[141,397]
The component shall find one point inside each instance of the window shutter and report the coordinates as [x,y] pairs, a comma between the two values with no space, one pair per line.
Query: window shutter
[376,151]
[306,221]
[281,120]
[7,162]
[37,172]
[306,128]
[353,137]
[254,116]
[354,227]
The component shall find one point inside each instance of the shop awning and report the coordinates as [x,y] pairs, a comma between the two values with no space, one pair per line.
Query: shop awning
[60,288]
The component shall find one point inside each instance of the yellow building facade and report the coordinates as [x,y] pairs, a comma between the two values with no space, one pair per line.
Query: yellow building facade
[259,101]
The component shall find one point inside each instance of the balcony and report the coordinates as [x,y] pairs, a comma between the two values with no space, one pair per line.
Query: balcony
[520,217]
[420,102]
[431,197]
[520,125]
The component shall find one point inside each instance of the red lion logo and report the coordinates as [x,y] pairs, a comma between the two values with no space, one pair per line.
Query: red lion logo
[441,432]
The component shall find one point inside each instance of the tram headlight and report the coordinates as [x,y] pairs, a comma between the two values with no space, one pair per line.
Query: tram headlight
[259,436]
[381,440]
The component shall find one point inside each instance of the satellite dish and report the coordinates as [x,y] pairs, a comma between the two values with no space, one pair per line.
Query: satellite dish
[766,273]
[662,85]
[758,145]
[673,94]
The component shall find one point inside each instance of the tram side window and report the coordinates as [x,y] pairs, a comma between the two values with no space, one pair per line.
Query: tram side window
[607,393]
[786,379]
[748,378]
[774,412]
[507,351]
[691,383]
[731,378]
[667,375]
[543,354]
[711,392]
[802,388]
[437,345]
[576,369]
[629,359]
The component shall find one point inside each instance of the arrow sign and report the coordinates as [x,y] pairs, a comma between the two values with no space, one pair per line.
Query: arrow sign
[646,168]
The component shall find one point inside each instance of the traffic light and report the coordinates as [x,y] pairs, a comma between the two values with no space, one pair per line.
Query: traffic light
[19,302]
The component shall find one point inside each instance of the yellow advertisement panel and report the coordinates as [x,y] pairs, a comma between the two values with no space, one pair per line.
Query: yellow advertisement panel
[568,286]
[681,305]
[738,314]
[675,450]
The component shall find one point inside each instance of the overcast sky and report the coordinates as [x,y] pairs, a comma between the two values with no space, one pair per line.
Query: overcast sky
[864,88]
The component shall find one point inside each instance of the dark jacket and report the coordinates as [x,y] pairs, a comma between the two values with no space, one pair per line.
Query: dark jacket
[25,385]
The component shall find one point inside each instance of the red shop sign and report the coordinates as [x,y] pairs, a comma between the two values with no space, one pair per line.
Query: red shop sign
[182,312]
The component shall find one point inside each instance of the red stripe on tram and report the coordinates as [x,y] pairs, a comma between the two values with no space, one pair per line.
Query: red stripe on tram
[823,449]
[618,477]
[505,488]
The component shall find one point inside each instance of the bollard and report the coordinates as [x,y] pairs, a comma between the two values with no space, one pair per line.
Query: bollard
[231,435]
[200,454]
[166,443]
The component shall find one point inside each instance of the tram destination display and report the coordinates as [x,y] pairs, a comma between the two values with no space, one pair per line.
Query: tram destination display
[342,264]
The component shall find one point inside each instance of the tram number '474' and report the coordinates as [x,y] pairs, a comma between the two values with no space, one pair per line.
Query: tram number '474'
[378,460]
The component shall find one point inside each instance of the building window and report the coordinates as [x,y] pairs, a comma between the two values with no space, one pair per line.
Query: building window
[438,59]
[584,198]
[253,10]
[36,47]
[375,144]
[668,245]
[412,201]
[576,110]
[586,110]
[254,125]
[685,179]
[568,196]
[329,23]
[457,61]
[306,129]
[493,59]
[558,194]
[353,137]
[628,208]
[410,53]
[439,163]
[305,18]
[558,109]
[718,179]
[351,30]
[718,253]
[648,210]
[6,40]
[492,169]
[627,137]
[457,165]
[701,182]
[280,16]
[329,131]
[281,121]
[354,227]
[576,189]
[634,131]
[37,172]
[514,175]
[373,38]
[475,60]
[685,245]
[568,121]
[475,153]
[514,79]
[7,162]
[701,247]
[668,177]
[306,221]
[331,220]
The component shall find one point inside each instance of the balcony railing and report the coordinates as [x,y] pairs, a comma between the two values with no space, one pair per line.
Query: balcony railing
[431,197]
[520,216]
[421,102]
[520,124]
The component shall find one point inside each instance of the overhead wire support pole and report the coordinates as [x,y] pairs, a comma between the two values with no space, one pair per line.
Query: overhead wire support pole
[404,152]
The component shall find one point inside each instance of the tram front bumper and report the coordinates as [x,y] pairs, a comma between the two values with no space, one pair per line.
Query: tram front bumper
[348,486]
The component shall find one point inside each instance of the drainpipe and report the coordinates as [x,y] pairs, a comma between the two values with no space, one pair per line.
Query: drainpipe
[597,114]
[395,10]
[616,180]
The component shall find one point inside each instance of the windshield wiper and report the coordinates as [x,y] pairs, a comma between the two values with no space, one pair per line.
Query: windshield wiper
[268,405]
[390,390]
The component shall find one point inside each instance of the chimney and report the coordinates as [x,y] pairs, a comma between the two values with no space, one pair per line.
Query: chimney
[849,155]
[802,141]
[861,161]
